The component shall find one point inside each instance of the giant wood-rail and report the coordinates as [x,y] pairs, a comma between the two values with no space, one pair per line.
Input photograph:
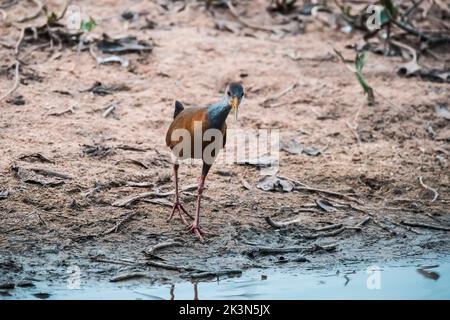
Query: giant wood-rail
[182,138]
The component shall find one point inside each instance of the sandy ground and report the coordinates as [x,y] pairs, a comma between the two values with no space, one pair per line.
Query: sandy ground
[44,230]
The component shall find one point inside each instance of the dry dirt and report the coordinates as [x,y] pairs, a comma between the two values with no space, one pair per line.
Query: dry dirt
[46,229]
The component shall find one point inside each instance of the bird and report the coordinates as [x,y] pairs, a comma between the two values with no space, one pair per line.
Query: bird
[187,139]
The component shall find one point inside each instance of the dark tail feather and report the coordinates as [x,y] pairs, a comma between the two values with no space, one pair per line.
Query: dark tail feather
[178,108]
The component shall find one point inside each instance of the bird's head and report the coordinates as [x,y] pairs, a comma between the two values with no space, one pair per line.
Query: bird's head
[234,93]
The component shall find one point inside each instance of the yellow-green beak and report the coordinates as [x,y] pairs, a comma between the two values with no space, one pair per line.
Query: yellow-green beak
[234,106]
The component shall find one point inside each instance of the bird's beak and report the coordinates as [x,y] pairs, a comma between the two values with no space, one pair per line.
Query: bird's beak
[235,106]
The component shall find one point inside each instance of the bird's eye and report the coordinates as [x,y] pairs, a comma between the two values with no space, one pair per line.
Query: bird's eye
[229,93]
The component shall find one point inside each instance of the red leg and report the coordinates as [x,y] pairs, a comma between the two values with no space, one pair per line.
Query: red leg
[177,206]
[195,226]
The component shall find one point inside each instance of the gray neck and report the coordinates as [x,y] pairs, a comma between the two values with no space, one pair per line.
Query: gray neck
[218,113]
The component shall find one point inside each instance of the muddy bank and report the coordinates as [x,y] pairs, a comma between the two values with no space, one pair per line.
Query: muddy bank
[52,224]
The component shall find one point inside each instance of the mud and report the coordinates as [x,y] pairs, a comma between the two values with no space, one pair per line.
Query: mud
[50,225]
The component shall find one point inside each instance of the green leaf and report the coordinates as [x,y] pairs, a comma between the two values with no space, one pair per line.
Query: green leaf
[391,9]
[361,58]
[88,26]
[384,16]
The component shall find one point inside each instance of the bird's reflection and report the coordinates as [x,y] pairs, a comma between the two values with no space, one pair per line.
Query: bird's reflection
[172,291]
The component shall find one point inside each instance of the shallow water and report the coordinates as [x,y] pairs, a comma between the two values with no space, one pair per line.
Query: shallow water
[429,279]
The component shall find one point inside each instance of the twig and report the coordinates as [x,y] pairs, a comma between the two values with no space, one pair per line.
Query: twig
[151,251]
[16,82]
[17,68]
[34,15]
[278,225]
[353,129]
[170,267]
[330,227]
[129,276]
[436,194]
[363,222]
[70,109]
[270,250]
[246,23]
[302,186]
[50,173]
[420,34]
[129,200]
[324,191]
[115,228]
[327,234]
[120,261]
[266,102]
[139,184]
[424,225]
[110,109]
[211,274]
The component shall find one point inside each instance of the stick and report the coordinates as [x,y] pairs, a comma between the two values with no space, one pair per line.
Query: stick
[363,222]
[120,261]
[266,102]
[16,82]
[423,225]
[330,227]
[305,187]
[17,69]
[150,251]
[270,250]
[115,228]
[128,200]
[278,225]
[68,110]
[246,23]
[34,15]
[110,109]
[50,173]
[210,274]
[129,276]
[436,194]
[139,184]
[170,267]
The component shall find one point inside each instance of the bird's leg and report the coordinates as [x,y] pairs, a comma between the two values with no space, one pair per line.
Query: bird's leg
[177,206]
[195,226]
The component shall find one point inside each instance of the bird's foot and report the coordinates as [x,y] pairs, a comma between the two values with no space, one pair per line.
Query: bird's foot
[198,231]
[178,207]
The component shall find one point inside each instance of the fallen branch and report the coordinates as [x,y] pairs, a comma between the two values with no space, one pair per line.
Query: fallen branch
[266,103]
[329,227]
[35,14]
[50,173]
[16,81]
[213,274]
[116,227]
[436,194]
[129,276]
[163,245]
[305,187]
[131,199]
[246,23]
[424,225]
[110,109]
[170,267]
[278,225]
[273,251]
[363,222]
[70,109]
